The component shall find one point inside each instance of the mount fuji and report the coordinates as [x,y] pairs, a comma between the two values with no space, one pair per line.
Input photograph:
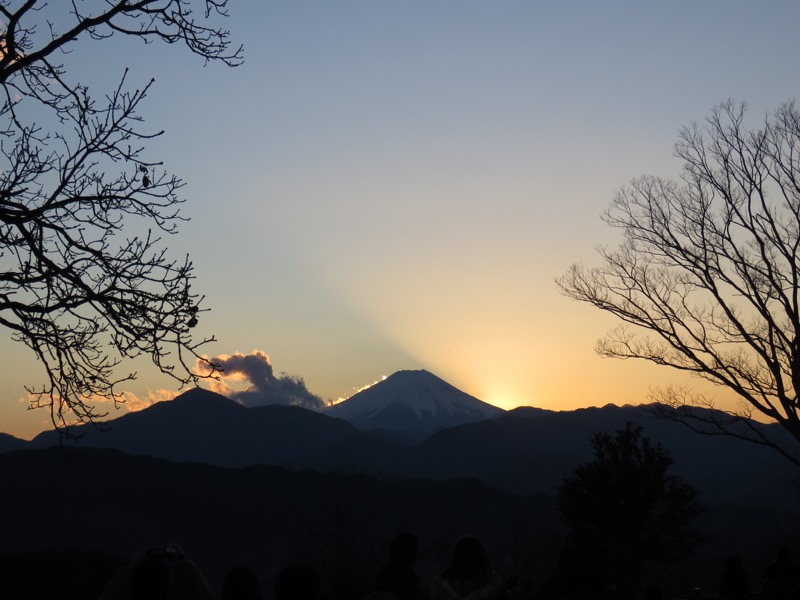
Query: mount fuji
[415,401]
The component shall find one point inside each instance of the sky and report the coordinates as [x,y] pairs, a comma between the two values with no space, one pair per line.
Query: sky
[396,185]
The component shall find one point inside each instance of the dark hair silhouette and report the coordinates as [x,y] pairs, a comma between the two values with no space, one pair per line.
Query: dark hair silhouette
[241,584]
[297,582]
[733,583]
[470,560]
[157,574]
[469,573]
[519,587]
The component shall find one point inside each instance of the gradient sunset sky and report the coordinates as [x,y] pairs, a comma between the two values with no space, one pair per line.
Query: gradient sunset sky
[396,185]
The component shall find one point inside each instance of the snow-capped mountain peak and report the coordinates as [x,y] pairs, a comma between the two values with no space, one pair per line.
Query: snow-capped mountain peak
[412,401]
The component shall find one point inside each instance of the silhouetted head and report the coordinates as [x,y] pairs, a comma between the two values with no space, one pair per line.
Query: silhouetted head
[403,549]
[297,582]
[241,584]
[469,561]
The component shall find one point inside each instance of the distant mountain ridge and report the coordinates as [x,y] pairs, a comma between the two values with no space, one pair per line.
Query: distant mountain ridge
[291,478]
[524,451]
[9,442]
[203,426]
[412,401]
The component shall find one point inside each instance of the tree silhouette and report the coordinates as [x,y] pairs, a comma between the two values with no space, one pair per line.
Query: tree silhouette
[85,280]
[709,272]
[627,494]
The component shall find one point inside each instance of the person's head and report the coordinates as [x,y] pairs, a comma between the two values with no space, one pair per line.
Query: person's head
[470,560]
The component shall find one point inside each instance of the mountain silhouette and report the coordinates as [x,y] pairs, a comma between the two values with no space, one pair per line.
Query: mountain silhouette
[524,451]
[203,426]
[532,454]
[9,442]
[412,401]
[270,484]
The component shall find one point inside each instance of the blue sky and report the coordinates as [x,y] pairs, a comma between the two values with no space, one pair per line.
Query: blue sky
[395,185]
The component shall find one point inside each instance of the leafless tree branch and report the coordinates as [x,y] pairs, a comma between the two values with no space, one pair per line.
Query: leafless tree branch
[85,279]
[706,279]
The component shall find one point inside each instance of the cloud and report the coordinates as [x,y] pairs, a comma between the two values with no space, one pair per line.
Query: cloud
[263,386]
[247,379]
[134,403]
[129,400]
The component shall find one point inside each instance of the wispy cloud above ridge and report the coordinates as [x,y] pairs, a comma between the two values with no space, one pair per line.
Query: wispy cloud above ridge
[255,371]
[131,401]
[247,379]
[135,403]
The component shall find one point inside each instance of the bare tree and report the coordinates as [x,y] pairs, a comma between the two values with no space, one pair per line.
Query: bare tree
[708,272]
[85,279]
